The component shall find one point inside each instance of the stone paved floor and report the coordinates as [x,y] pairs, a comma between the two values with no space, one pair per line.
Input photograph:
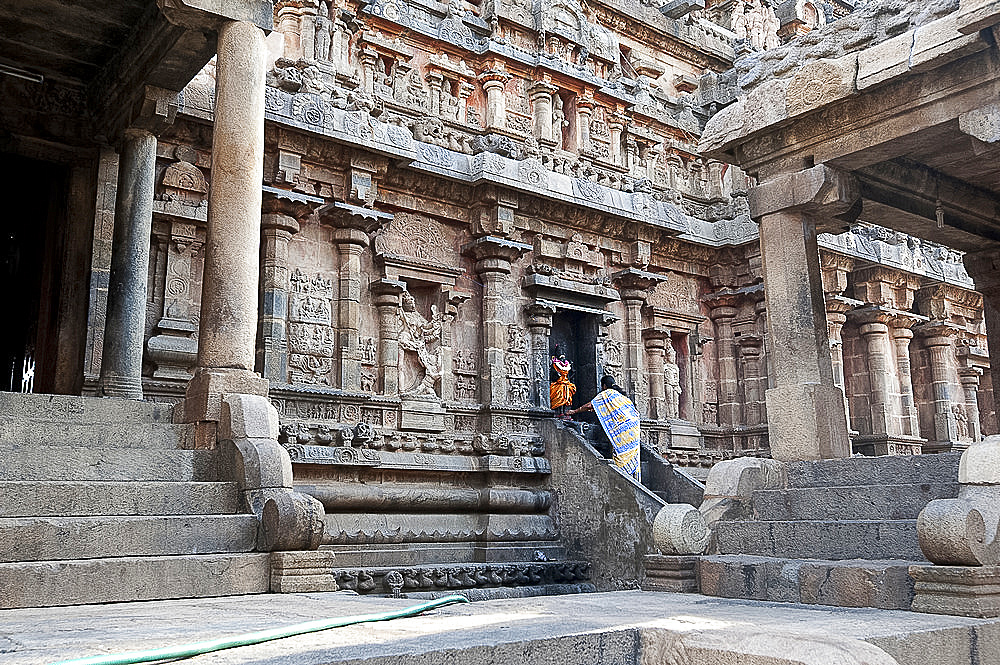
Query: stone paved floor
[586,629]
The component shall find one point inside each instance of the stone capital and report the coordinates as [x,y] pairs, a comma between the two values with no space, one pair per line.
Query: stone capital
[937,333]
[540,315]
[284,209]
[541,88]
[345,216]
[494,254]
[656,339]
[635,284]
[211,14]
[722,304]
[492,78]
[872,318]
[820,191]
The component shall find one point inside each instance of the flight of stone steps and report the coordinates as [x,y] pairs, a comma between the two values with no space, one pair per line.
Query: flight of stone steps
[98,503]
[843,532]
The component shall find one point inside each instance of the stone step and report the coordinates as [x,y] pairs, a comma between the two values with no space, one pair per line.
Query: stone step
[105,464]
[52,538]
[61,498]
[120,579]
[851,583]
[83,410]
[821,539]
[898,469]
[39,433]
[882,502]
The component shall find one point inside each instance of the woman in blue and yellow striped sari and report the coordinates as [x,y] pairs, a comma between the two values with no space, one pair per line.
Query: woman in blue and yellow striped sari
[620,420]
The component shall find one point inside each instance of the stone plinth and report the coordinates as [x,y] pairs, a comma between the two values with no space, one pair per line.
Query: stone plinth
[971,591]
[674,574]
[302,572]
[422,416]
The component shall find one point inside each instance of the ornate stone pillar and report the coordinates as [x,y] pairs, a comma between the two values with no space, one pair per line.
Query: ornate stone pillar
[584,111]
[634,286]
[901,336]
[616,125]
[836,316]
[723,313]
[493,82]
[984,267]
[540,94]
[539,329]
[874,329]
[121,358]
[387,302]
[368,58]
[174,349]
[969,376]
[656,340]
[351,224]
[751,358]
[805,408]
[938,340]
[281,213]
[493,257]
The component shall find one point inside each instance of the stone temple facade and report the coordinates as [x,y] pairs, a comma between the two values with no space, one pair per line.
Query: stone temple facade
[451,191]
[442,194]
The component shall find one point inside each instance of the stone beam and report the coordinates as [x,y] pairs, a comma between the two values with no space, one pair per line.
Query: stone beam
[805,409]
[171,42]
[905,195]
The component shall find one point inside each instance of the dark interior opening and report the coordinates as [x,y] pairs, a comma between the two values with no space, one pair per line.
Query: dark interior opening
[30,251]
[576,335]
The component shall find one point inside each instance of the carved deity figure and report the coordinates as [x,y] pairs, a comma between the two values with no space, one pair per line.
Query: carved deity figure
[324,32]
[672,384]
[561,390]
[417,335]
[558,121]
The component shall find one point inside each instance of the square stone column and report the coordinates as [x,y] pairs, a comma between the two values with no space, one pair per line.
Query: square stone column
[984,267]
[805,409]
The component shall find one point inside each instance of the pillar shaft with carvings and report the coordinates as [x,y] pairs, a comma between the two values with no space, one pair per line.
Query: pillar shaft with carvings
[901,336]
[723,313]
[879,353]
[836,316]
[634,286]
[751,360]
[540,94]
[656,340]
[387,294]
[351,225]
[493,257]
[539,330]
[493,82]
[969,377]
[279,221]
[938,340]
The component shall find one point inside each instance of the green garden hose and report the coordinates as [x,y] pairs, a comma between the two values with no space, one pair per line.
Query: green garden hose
[198,648]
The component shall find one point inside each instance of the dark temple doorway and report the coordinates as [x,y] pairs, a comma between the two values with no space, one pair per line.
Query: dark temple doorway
[32,263]
[575,333]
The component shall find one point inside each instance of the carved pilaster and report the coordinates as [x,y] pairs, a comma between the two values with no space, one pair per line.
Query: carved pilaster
[281,214]
[750,348]
[540,94]
[493,257]
[656,340]
[938,338]
[352,225]
[634,286]
[493,82]
[723,312]
[387,294]
[539,330]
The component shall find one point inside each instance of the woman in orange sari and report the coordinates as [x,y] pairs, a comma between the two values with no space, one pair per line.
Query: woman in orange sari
[561,390]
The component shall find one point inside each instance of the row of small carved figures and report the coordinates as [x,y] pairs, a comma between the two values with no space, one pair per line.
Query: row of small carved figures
[464,577]
[709,457]
[364,435]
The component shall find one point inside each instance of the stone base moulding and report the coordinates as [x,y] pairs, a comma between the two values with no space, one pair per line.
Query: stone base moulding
[673,574]
[971,591]
[302,572]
